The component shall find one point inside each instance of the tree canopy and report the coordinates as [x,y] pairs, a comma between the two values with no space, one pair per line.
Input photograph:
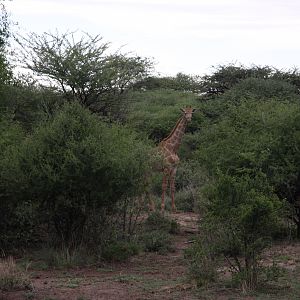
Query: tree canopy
[83,68]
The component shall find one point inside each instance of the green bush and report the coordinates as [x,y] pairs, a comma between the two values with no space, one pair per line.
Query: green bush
[27,105]
[156,233]
[174,227]
[74,167]
[202,263]
[58,258]
[17,220]
[66,258]
[158,222]
[185,200]
[157,241]
[155,113]
[120,251]
[256,135]
[243,219]
[261,90]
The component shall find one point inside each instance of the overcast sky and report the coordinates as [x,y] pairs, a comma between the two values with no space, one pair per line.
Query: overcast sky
[188,36]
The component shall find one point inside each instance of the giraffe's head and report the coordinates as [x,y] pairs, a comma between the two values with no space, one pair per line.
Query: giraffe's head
[188,112]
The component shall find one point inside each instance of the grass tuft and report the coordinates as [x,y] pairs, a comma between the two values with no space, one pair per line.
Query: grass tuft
[11,277]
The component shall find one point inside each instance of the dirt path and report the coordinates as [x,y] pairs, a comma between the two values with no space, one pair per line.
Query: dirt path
[146,276]
[155,276]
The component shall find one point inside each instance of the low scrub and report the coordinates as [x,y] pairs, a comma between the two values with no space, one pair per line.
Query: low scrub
[11,277]
[237,227]
[59,258]
[202,263]
[157,241]
[120,251]
[158,222]
[157,233]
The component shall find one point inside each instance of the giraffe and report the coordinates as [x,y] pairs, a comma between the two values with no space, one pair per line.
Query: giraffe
[168,148]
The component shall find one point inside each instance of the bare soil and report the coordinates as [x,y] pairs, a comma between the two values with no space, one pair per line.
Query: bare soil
[148,276]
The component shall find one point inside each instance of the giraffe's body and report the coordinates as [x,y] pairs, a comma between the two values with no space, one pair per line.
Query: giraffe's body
[168,148]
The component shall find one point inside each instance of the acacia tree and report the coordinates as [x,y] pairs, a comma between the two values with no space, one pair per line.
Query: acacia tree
[225,77]
[82,69]
[74,170]
[181,82]
[257,130]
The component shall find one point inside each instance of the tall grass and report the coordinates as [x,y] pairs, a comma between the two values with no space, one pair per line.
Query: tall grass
[11,277]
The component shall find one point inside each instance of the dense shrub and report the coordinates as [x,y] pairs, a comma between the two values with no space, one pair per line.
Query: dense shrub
[261,90]
[17,218]
[82,69]
[241,216]
[259,134]
[203,262]
[249,147]
[156,112]
[26,104]
[157,221]
[157,241]
[120,250]
[181,82]
[156,233]
[74,166]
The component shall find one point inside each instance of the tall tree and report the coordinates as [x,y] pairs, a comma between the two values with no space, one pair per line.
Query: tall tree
[226,76]
[82,69]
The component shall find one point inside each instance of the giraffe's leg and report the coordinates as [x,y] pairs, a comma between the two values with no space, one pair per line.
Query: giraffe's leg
[172,188]
[164,187]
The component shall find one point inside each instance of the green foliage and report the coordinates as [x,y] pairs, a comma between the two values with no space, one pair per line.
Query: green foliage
[27,105]
[255,89]
[181,82]
[185,200]
[203,263]
[5,70]
[272,273]
[59,258]
[249,135]
[10,134]
[157,241]
[156,233]
[225,77]
[157,221]
[239,219]
[156,112]
[17,219]
[45,258]
[244,205]
[82,70]
[242,213]
[191,178]
[72,167]
[258,133]
[120,251]
[249,146]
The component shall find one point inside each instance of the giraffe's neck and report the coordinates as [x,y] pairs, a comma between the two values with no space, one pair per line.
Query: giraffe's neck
[174,139]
